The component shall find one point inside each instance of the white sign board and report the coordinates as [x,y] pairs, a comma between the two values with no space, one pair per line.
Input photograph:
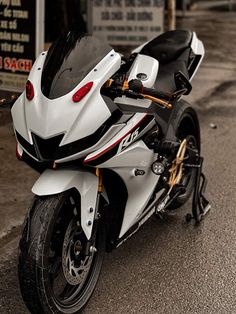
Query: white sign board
[21,40]
[127,22]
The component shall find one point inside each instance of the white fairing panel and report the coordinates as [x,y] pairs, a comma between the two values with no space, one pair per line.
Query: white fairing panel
[197,45]
[150,70]
[140,187]
[198,49]
[147,67]
[57,181]
[47,118]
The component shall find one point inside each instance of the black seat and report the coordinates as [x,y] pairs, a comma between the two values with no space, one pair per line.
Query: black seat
[172,50]
[168,46]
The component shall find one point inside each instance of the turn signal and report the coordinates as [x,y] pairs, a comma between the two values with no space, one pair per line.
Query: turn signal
[83,91]
[29,89]
[19,151]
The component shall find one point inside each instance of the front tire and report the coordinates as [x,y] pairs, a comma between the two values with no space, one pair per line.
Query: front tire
[56,274]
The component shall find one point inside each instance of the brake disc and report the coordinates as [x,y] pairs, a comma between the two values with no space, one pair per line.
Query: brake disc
[75,264]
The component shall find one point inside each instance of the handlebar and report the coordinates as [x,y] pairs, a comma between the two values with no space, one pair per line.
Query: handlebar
[135,89]
[150,93]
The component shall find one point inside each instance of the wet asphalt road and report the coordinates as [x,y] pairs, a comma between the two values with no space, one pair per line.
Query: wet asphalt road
[170,267]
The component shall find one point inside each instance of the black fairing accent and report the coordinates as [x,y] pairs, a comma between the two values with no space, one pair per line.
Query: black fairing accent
[194,64]
[26,145]
[38,166]
[114,214]
[69,60]
[49,149]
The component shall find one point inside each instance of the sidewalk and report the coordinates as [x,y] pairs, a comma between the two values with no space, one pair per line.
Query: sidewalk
[218,32]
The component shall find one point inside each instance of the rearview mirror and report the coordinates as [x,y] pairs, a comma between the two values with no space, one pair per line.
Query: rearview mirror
[182,83]
[8,103]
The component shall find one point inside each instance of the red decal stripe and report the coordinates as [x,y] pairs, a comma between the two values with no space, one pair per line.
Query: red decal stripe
[114,144]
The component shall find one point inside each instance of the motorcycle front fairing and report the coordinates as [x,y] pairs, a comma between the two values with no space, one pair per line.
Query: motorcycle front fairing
[52,120]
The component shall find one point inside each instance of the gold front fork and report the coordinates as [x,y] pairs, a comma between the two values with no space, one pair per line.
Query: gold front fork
[100,181]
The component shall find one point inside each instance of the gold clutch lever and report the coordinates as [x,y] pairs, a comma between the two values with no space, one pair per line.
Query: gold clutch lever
[8,103]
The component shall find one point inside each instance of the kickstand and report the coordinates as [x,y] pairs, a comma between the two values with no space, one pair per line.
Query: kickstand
[200,205]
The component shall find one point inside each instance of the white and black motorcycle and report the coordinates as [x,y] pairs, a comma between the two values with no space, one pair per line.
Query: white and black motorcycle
[114,144]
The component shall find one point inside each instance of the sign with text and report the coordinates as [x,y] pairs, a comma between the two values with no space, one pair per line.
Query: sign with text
[21,39]
[128,22]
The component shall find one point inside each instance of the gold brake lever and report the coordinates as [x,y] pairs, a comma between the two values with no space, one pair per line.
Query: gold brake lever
[159,101]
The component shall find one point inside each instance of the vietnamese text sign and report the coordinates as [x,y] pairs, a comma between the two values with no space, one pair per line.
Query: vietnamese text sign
[19,22]
[128,22]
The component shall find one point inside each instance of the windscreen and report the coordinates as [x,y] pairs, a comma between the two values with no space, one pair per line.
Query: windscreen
[69,60]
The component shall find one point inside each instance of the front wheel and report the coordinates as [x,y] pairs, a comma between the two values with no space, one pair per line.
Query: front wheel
[57,271]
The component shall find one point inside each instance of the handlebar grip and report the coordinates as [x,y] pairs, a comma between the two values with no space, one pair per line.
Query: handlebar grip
[137,87]
[155,93]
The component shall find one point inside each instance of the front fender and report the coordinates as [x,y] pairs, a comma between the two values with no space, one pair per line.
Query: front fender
[57,181]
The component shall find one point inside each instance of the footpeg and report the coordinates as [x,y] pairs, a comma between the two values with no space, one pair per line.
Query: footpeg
[167,200]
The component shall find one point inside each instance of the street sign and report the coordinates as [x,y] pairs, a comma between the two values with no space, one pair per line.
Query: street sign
[127,22]
[21,40]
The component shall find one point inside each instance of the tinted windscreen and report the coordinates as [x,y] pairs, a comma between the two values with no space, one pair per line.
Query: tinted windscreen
[68,61]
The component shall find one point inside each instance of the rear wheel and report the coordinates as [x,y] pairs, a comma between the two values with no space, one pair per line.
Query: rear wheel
[56,273]
[186,130]
[187,181]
